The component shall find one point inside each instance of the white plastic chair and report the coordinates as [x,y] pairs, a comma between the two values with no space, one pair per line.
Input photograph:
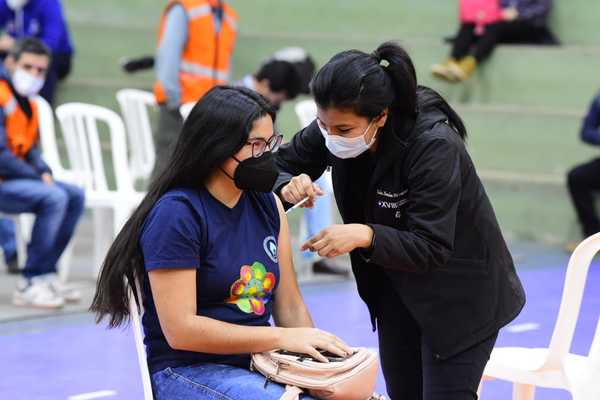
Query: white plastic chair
[138,335]
[111,208]
[134,105]
[548,367]
[583,374]
[186,109]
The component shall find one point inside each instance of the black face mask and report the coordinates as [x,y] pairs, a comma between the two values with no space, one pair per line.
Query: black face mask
[257,174]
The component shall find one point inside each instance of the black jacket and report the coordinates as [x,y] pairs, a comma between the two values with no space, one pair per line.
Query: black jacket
[436,235]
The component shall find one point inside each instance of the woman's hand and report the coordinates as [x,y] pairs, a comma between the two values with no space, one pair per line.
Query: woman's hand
[299,188]
[336,240]
[310,341]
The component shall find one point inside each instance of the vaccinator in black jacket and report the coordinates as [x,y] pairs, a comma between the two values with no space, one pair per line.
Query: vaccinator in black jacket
[426,249]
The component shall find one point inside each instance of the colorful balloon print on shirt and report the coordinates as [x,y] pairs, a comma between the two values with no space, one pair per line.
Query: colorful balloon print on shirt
[250,292]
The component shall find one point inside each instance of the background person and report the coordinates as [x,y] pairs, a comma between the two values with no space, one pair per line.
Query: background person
[195,46]
[45,20]
[26,182]
[512,21]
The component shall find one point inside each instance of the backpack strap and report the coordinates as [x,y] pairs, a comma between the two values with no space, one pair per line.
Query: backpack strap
[291,393]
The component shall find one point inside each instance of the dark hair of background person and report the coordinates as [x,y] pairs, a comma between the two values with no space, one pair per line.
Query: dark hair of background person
[367,84]
[29,45]
[282,76]
[218,127]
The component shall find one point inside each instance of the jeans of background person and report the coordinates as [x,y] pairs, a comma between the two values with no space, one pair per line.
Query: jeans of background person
[170,123]
[214,382]
[57,210]
[583,182]
[59,69]
[411,369]
[7,238]
[481,48]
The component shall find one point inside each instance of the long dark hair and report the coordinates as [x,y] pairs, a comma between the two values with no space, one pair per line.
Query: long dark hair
[217,127]
[367,84]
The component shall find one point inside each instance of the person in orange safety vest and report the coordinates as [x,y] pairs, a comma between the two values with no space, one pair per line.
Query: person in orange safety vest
[195,45]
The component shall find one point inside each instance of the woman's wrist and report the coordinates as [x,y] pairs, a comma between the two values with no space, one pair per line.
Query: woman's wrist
[366,237]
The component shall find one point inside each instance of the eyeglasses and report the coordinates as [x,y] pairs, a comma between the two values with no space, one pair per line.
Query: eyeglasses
[260,145]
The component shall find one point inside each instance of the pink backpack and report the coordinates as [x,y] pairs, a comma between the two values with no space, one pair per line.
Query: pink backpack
[351,378]
[480,12]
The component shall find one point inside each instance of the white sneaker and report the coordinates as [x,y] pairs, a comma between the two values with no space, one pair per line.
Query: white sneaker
[36,293]
[61,289]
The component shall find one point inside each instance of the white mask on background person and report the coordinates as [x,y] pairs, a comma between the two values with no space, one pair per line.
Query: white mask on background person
[16,4]
[343,147]
[26,84]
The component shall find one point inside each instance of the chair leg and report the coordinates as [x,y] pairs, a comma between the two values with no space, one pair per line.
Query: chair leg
[64,263]
[523,392]
[102,236]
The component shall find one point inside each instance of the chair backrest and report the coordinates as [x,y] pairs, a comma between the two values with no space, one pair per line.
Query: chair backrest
[79,123]
[48,143]
[134,105]
[186,109]
[306,110]
[575,279]
[138,335]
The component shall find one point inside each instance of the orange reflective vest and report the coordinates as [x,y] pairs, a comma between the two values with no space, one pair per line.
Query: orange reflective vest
[206,58]
[21,131]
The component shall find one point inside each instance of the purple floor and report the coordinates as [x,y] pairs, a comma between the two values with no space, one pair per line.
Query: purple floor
[69,356]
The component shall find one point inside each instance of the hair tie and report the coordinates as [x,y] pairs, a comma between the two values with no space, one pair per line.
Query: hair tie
[384,63]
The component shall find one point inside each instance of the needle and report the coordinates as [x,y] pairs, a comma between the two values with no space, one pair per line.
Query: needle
[298,204]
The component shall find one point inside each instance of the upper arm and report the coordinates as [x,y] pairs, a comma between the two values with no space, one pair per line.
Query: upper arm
[52,26]
[174,295]
[288,294]
[434,191]
[171,247]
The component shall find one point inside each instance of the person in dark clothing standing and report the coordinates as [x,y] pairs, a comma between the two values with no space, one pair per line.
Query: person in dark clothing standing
[518,21]
[427,252]
[583,180]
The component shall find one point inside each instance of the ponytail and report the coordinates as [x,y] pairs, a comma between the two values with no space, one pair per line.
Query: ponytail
[367,84]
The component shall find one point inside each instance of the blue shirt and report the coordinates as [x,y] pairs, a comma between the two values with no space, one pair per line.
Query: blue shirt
[42,19]
[234,253]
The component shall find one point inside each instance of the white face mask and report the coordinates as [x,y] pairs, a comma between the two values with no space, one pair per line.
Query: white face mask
[16,4]
[343,147]
[26,84]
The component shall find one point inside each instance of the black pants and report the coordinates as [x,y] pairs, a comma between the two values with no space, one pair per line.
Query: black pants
[170,123]
[481,47]
[411,370]
[59,69]
[583,181]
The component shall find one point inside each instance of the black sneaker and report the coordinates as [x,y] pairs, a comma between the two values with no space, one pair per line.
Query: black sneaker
[330,267]
[12,265]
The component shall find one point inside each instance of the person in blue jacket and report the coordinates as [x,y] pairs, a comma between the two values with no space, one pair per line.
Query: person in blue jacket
[42,19]
[584,180]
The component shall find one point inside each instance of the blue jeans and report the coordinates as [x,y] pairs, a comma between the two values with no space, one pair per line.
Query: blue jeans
[7,238]
[214,382]
[57,210]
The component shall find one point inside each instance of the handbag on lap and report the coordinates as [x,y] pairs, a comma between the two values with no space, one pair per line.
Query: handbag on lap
[350,378]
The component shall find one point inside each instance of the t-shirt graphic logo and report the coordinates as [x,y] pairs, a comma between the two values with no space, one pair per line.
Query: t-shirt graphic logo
[253,290]
[270,246]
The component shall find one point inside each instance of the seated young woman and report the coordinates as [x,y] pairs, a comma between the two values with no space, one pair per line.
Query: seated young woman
[210,247]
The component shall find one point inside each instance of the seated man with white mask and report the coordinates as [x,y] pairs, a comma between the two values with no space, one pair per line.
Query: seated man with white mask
[26,183]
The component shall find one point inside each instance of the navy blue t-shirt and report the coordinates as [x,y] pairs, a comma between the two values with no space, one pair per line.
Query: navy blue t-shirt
[234,253]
